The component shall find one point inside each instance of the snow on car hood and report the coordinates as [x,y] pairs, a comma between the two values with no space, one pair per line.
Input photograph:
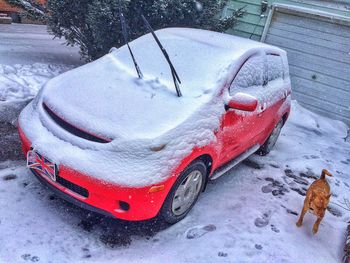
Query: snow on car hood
[104,99]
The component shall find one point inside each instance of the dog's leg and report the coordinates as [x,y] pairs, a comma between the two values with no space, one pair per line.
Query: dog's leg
[316,225]
[303,212]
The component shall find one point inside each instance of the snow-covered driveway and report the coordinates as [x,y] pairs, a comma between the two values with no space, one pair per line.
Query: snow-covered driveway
[32,44]
[247,215]
[29,57]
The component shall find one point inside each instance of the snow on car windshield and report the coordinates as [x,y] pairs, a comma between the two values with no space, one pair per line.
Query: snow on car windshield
[198,63]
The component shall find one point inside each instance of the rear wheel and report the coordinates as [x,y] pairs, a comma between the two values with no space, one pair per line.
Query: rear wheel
[271,141]
[184,193]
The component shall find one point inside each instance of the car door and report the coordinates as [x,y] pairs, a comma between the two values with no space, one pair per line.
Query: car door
[238,127]
[270,97]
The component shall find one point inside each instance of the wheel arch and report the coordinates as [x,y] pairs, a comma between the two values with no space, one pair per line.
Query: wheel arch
[285,117]
[208,161]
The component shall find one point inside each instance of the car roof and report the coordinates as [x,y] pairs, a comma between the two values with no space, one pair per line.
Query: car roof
[231,43]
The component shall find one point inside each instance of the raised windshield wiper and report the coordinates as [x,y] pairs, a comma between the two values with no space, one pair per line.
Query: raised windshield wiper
[165,53]
[126,40]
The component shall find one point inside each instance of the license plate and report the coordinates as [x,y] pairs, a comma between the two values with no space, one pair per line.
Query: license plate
[41,165]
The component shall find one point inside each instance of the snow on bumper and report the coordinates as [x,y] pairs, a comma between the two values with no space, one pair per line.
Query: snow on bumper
[124,202]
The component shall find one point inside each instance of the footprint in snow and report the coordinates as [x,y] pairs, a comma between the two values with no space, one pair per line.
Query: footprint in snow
[86,252]
[275,229]
[309,174]
[274,165]
[263,221]
[311,157]
[289,211]
[296,178]
[258,247]
[29,257]
[222,254]
[275,187]
[198,231]
[9,177]
[334,211]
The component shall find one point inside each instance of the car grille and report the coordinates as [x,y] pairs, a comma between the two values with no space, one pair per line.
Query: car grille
[73,187]
[72,129]
[67,184]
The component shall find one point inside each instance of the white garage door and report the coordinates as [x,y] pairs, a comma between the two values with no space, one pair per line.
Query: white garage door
[319,57]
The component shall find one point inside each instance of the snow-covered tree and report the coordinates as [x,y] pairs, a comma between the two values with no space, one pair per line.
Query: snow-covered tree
[31,9]
[94,25]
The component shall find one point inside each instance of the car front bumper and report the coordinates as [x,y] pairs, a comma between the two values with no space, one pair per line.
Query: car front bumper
[102,196]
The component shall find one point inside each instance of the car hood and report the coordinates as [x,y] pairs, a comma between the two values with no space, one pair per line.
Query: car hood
[105,99]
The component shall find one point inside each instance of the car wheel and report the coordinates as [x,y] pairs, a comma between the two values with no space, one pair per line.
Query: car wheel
[271,141]
[185,192]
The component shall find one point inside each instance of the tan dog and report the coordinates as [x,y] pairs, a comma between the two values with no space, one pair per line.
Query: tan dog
[317,200]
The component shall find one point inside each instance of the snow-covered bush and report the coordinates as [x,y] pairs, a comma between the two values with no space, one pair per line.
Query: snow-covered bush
[94,25]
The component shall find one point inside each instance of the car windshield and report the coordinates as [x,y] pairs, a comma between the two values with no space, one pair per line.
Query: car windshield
[198,64]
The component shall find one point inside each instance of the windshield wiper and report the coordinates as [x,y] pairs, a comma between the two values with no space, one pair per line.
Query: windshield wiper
[176,78]
[126,40]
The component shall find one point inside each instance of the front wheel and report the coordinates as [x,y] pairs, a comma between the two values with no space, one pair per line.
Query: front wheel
[184,193]
[271,141]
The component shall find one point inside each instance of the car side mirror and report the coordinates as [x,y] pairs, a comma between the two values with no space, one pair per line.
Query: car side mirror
[243,102]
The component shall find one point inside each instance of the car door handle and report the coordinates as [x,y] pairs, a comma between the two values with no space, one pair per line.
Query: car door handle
[262,108]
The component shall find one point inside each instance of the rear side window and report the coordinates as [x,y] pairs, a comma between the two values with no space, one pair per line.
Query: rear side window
[251,73]
[275,68]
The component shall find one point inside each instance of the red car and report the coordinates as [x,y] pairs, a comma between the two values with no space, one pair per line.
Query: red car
[130,146]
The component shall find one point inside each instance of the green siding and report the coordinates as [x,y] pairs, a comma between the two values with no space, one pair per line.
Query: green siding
[251,25]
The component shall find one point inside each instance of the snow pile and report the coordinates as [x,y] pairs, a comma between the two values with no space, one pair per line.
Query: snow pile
[248,215]
[20,83]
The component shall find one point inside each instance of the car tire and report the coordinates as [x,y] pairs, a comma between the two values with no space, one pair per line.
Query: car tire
[271,141]
[184,193]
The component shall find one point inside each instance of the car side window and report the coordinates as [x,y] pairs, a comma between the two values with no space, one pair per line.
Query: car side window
[275,68]
[251,74]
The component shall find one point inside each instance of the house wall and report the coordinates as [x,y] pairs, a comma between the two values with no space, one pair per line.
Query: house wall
[253,22]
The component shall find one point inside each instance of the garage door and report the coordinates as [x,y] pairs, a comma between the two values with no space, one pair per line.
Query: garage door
[319,57]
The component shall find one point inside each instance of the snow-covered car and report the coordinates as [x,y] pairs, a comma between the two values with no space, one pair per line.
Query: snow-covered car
[112,142]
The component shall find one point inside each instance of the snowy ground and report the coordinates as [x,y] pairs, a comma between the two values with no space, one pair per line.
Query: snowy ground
[28,58]
[20,83]
[32,44]
[247,215]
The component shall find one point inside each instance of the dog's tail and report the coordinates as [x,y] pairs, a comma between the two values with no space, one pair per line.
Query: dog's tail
[324,173]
